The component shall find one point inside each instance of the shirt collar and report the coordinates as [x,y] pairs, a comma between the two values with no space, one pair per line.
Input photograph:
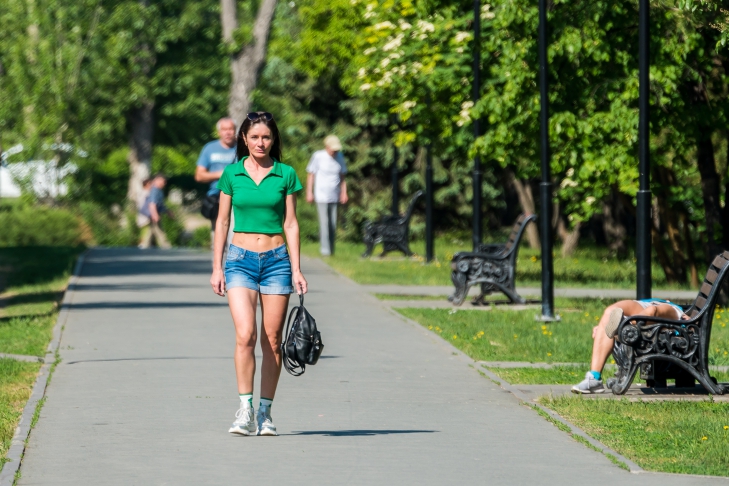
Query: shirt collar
[275,170]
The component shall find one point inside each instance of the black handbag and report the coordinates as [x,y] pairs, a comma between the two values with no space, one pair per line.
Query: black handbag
[209,206]
[302,341]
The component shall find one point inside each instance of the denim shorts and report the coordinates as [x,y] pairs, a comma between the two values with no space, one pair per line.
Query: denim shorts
[268,272]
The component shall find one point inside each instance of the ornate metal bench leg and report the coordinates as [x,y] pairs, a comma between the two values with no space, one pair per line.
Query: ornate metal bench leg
[459,281]
[623,356]
[513,296]
[480,298]
[369,240]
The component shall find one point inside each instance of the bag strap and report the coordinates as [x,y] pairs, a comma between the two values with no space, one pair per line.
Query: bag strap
[292,366]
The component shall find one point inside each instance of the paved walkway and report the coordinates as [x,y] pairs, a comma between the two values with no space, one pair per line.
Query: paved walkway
[146,391]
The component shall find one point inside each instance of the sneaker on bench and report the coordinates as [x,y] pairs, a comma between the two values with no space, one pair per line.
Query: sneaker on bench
[589,385]
[611,328]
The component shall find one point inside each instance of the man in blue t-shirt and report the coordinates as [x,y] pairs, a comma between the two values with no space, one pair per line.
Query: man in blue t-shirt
[215,157]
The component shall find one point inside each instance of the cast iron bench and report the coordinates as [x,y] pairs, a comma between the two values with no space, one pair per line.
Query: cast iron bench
[492,266]
[392,231]
[672,349]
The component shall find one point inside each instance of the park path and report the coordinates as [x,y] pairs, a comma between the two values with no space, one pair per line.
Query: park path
[146,391]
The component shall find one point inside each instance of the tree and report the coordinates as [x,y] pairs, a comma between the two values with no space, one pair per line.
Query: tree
[247,52]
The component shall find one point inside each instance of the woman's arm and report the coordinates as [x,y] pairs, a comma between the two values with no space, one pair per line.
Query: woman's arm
[291,229]
[217,280]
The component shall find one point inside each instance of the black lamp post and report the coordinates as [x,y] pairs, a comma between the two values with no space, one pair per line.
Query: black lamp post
[429,199]
[643,230]
[477,220]
[545,187]
[394,176]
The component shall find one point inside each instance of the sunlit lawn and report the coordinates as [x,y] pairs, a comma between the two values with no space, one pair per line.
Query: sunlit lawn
[16,383]
[509,335]
[589,267]
[668,436]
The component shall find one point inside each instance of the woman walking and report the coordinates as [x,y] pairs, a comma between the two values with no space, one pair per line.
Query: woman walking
[259,189]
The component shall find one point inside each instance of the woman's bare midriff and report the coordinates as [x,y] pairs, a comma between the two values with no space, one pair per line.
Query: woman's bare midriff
[257,242]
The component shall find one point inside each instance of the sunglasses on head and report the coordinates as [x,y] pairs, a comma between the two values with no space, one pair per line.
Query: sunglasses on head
[257,115]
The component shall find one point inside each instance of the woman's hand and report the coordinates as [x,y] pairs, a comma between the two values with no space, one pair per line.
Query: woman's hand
[300,284]
[217,280]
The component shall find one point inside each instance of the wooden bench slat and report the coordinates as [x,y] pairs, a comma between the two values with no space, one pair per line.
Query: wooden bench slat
[700,302]
[711,276]
[706,289]
[719,262]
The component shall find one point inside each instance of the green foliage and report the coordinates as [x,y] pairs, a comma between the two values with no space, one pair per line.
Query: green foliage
[108,228]
[40,226]
[174,229]
[200,238]
[16,384]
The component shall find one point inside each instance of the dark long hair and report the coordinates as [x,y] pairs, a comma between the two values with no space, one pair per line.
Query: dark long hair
[241,149]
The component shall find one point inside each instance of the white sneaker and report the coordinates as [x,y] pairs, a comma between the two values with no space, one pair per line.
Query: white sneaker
[611,328]
[589,385]
[244,423]
[265,425]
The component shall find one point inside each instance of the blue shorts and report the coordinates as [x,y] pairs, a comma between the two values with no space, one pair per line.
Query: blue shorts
[268,272]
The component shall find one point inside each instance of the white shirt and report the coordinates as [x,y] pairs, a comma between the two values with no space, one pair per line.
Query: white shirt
[328,173]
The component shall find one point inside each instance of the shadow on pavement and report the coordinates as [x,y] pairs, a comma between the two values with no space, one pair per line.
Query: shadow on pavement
[130,287]
[147,305]
[361,432]
[149,266]
[168,358]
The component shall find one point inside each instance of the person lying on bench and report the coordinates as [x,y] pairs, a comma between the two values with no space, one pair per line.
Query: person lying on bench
[604,334]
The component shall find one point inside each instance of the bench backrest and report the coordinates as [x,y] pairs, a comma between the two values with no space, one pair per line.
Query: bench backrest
[712,282]
[517,230]
[411,206]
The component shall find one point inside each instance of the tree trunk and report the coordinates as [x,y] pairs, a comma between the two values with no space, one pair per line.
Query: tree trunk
[246,64]
[570,239]
[612,226]
[669,216]
[140,119]
[725,211]
[710,191]
[694,276]
[141,122]
[526,200]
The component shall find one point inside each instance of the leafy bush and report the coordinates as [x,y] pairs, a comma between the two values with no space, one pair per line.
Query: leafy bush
[26,225]
[107,228]
[308,221]
[200,238]
[173,228]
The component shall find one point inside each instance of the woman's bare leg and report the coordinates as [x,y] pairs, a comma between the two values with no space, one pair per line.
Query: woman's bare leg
[602,346]
[242,302]
[273,308]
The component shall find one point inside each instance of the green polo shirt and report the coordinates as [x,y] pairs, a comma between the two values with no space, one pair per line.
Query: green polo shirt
[259,208]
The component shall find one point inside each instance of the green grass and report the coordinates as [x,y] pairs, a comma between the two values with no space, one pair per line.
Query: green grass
[16,383]
[565,375]
[410,297]
[36,278]
[668,436]
[508,335]
[557,375]
[588,267]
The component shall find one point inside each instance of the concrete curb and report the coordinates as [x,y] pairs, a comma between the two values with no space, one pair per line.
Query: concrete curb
[22,431]
[23,357]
